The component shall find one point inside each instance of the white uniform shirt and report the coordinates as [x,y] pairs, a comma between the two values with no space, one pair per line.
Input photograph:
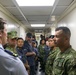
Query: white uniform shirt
[10,65]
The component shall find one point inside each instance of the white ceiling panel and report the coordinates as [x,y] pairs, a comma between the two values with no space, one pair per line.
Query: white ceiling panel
[37,21]
[65,2]
[14,11]
[36,10]
[59,10]
[7,3]
[36,15]
[25,23]
[20,18]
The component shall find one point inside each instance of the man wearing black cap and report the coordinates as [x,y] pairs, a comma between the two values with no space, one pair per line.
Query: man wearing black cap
[30,53]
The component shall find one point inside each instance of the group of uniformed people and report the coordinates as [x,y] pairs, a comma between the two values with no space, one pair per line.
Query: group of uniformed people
[61,59]
[18,57]
[25,50]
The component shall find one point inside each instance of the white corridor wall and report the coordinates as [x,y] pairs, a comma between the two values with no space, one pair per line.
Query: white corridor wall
[70,22]
[12,22]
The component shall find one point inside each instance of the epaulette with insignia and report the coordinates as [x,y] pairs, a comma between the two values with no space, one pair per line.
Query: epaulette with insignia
[11,53]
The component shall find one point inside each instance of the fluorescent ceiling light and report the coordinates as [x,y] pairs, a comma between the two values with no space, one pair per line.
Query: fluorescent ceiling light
[35,2]
[37,25]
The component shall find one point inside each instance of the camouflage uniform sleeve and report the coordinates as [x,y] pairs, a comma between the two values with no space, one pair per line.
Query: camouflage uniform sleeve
[71,67]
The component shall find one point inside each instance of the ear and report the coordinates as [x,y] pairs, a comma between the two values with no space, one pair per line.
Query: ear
[67,39]
[0,34]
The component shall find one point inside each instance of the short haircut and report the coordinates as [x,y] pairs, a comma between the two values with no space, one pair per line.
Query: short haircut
[65,30]
[51,36]
[33,36]
[20,38]
[2,22]
[42,40]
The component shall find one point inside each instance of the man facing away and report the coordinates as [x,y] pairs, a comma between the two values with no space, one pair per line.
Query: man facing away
[9,64]
[65,61]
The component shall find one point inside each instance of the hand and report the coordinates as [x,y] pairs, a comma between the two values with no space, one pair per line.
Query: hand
[34,53]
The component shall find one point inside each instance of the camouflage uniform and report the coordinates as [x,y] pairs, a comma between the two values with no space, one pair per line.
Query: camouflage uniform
[41,51]
[42,56]
[50,60]
[12,35]
[13,50]
[65,63]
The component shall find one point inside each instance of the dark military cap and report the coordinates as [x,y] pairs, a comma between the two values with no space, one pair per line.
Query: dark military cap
[29,35]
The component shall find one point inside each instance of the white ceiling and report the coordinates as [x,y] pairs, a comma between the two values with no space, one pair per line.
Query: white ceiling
[36,15]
